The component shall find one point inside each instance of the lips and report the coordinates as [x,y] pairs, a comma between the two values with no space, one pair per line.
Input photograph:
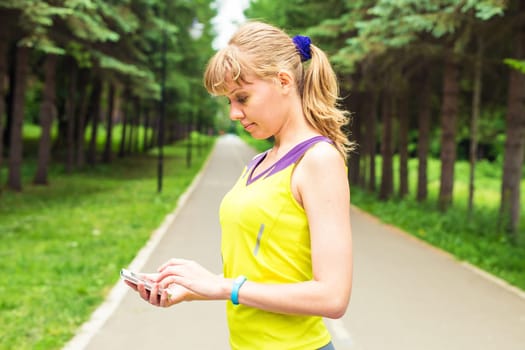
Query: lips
[247,125]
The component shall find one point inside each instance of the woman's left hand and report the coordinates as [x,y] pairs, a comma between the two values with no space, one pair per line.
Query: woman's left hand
[192,276]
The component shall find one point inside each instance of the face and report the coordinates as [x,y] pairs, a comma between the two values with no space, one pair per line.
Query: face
[259,106]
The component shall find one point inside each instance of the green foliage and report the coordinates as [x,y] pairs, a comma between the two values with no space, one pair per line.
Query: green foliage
[486,9]
[87,22]
[378,26]
[294,15]
[519,65]
[138,30]
[130,70]
[61,247]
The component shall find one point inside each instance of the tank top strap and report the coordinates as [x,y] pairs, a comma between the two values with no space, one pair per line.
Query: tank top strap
[297,152]
[253,163]
[288,159]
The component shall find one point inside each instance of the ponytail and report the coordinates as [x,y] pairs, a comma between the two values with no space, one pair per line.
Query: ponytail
[320,96]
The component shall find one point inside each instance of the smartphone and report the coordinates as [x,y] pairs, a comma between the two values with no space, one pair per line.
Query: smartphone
[136,279]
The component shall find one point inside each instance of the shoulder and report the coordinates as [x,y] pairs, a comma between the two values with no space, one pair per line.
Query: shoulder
[321,177]
[322,165]
[321,155]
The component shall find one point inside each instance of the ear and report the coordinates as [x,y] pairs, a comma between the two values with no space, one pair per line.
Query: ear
[286,80]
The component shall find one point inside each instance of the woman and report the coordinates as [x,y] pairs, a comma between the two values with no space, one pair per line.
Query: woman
[286,235]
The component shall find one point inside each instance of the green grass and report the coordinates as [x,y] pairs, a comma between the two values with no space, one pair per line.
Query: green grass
[62,246]
[475,238]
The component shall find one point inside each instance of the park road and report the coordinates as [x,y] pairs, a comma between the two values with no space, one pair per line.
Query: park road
[406,294]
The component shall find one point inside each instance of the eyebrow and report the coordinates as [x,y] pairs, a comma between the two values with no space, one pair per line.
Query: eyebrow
[239,87]
[234,91]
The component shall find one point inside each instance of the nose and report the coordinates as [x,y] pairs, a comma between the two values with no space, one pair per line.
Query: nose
[235,112]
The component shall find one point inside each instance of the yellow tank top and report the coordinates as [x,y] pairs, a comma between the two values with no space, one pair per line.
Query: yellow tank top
[265,237]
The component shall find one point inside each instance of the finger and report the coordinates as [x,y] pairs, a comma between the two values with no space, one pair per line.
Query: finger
[169,280]
[171,271]
[144,293]
[150,276]
[172,262]
[176,294]
[132,285]
[164,299]
[154,295]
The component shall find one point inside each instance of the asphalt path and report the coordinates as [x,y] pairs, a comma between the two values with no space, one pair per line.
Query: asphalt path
[406,294]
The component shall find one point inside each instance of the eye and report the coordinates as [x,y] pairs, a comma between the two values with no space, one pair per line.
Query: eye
[242,99]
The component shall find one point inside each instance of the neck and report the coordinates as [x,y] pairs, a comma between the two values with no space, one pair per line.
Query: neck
[295,130]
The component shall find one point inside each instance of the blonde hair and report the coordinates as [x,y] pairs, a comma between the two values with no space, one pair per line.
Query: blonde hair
[262,50]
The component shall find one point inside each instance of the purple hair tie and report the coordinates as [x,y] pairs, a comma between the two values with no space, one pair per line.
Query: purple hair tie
[302,43]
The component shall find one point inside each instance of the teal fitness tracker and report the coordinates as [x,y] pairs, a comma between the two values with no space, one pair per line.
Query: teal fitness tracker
[237,284]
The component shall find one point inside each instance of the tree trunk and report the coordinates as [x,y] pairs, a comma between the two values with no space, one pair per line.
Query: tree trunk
[404,117]
[94,110]
[47,114]
[448,131]
[70,109]
[147,127]
[154,129]
[132,115]
[134,112]
[4,42]
[82,112]
[423,142]
[108,153]
[514,143]
[135,147]
[14,180]
[8,20]
[387,149]
[371,141]
[125,120]
[364,114]
[476,102]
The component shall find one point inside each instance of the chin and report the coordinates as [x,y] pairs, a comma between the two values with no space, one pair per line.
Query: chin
[261,137]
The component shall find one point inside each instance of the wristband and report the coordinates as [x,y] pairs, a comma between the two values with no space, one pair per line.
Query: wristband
[237,284]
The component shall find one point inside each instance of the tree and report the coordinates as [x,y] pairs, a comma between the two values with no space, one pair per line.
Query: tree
[6,25]
[110,117]
[403,122]
[90,44]
[449,115]
[424,111]
[47,114]
[389,27]
[476,102]
[371,123]
[387,146]
[70,114]
[14,180]
[94,112]
[515,141]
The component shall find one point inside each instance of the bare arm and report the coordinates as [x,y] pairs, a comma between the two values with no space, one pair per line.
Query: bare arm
[321,185]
